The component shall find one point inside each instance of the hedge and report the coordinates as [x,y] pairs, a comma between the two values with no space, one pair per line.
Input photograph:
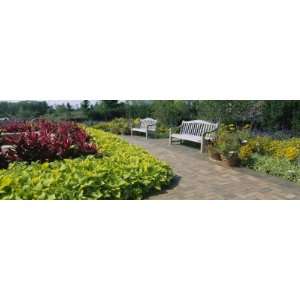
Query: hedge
[124,172]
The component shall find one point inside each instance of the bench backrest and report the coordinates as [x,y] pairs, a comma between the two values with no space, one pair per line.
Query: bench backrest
[148,122]
[198,128]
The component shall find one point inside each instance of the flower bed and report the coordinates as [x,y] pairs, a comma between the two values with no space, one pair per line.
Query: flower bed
[45,141]
[18,126]
[124,172]
[283,149]
[261,153]
[275,157]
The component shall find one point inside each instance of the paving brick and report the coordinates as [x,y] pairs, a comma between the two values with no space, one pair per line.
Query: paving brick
[203,179]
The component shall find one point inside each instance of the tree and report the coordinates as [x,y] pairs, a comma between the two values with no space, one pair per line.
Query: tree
[85,105]
[69,107]
[266,115]
[108,109]
[138,108]
[227,111]
[171,112]
[23,109]
[280,115]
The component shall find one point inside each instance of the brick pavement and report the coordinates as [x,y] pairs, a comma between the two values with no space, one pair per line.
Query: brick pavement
[199,178]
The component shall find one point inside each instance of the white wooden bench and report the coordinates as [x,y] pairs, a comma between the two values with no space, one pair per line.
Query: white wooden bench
[196,131]
[147,125]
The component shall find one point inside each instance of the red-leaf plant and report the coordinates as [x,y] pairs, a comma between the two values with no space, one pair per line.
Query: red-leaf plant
[50,141]
[17,126]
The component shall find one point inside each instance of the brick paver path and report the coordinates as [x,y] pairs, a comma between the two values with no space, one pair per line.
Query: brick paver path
[199,178]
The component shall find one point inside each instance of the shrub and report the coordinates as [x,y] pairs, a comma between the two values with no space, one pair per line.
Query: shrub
[124,172]
[118,125]
[105,126]
[123,126]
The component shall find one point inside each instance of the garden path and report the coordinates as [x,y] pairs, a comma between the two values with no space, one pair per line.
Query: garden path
[199,178]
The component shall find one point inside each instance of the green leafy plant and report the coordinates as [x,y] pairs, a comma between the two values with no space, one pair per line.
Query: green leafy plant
[276,167]
[124,172]
[272,156]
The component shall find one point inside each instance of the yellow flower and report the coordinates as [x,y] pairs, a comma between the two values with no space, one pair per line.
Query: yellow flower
[245,152]
[291,153]
[275,148]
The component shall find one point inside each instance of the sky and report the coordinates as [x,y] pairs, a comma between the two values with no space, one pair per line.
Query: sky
[72,102]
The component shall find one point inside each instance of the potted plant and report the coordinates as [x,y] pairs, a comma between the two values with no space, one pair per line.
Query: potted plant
[227,145]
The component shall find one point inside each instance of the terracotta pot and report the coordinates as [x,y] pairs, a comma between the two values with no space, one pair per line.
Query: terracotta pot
[231,162]
[215,156]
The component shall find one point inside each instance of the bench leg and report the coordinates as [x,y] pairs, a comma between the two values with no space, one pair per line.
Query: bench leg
[131,133]
[146,135]
[202,145]
[170,140]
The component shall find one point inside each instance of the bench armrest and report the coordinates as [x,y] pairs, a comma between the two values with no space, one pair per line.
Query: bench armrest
[209,132]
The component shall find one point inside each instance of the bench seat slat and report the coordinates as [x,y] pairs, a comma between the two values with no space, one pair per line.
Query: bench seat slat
[142,129]
[189,137]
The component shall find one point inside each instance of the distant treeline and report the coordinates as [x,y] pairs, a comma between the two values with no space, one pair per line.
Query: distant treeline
[267,115]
